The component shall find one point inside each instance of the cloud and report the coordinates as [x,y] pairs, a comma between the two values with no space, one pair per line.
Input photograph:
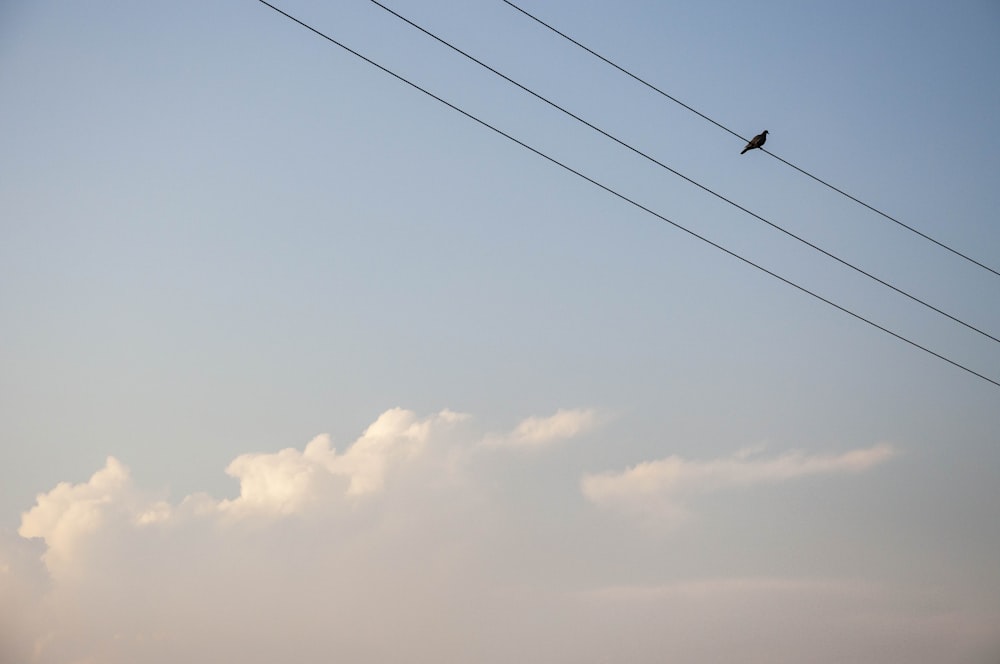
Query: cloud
[287,481]
[277,484]
[337,535]
[371,553]
[22,583]
[657,489]
[68,513]
[536,432]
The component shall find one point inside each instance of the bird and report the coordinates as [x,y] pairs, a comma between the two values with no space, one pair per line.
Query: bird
[756,142]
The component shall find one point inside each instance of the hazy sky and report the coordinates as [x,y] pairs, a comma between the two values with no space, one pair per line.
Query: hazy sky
[298,364]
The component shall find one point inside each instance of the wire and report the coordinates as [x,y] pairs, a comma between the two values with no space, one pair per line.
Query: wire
[679,174]
[625,198]
[727,129]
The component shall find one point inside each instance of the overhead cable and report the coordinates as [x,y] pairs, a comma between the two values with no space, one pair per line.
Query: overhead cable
[742,138]
[679,174]
[626,199]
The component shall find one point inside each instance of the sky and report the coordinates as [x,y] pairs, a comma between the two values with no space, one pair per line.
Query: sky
[299,364]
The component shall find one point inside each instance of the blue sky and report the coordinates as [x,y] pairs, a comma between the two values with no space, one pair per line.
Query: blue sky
[223,237]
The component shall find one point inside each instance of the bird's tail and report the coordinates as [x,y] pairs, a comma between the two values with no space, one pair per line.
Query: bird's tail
[745,149]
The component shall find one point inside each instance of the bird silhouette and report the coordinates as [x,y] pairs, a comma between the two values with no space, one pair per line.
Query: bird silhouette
[756,141]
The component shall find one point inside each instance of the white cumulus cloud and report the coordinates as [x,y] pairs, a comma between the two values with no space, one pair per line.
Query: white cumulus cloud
[69,512]
[273,484]
[287,481]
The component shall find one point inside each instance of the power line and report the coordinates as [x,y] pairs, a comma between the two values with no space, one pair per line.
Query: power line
[625,198]
[727,129]
[679,174]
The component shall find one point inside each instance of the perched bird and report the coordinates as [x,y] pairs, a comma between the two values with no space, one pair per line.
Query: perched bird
[756,141]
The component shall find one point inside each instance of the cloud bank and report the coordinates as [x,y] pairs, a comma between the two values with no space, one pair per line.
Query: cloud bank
[388,550]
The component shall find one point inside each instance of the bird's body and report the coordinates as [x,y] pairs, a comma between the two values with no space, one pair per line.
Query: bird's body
[756,142]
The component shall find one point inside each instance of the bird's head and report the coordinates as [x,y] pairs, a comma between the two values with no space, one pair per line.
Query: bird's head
[765,132]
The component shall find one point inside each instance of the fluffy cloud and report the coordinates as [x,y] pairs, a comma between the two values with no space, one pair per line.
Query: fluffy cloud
[305,542]
[541,431]
[70,512]
[657,489]
[275,484]
[285,482]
